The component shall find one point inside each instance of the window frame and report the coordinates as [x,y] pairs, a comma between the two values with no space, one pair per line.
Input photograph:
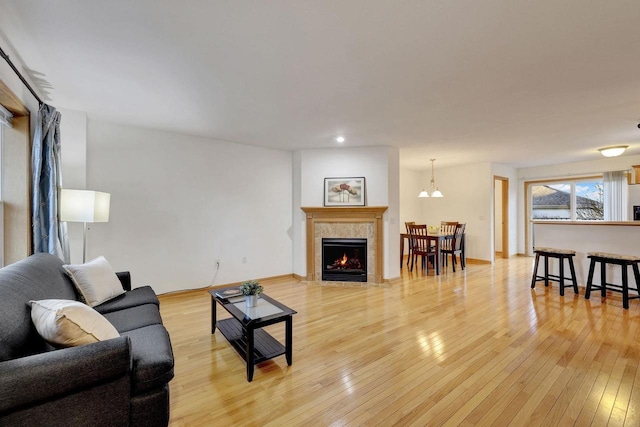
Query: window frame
[528,202]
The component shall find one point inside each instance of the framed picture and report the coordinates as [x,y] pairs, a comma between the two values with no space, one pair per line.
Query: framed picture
[344,191]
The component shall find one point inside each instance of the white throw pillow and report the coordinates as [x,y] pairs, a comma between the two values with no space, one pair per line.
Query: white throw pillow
[95,280]
[70,323]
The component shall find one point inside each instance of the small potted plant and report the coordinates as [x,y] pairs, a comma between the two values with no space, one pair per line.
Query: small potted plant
[251,289]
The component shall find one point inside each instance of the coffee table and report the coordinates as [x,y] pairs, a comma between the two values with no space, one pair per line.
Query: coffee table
[243,329]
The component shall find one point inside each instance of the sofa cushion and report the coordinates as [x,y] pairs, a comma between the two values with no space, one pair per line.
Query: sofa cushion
[135,317]
[70,323]
[152,357]
[95,280]
[133,298]
[37,277]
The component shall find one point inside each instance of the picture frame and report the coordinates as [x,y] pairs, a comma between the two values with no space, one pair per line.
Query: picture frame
[344,191]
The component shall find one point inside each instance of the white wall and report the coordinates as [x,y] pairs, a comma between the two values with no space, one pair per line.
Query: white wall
[179,203]
[73,132]
[391,224]
[411,183]
[73,137]
[568,170]
[9,77]
[379,166]
[299,230]
[468,198]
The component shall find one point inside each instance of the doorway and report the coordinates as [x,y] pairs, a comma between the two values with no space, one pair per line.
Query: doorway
[501,216]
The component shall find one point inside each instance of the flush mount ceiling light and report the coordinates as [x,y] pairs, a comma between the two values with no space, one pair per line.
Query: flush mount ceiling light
[340,139]
[613,151]
[433,189]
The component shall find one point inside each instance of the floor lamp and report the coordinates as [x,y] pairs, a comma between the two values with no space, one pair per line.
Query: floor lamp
[84,206]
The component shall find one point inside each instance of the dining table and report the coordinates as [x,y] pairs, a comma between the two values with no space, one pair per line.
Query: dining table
[434,239]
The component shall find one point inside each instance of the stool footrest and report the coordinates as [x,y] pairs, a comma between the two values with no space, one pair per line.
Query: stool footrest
[560,255]
[614,287]
[552,277]
[624,262]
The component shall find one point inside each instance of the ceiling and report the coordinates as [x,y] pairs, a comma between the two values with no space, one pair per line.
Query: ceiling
[517,82]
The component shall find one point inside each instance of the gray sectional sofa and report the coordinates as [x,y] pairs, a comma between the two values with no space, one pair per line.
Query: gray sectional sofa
[116,382]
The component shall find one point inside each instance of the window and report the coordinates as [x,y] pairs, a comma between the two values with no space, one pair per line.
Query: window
[589,200]
[1,161]
[5,116]
[578,199]
[570,200]
[5,120]
[15,175]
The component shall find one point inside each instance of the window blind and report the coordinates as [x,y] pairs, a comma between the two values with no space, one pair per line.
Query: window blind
[5,116]
[616,199]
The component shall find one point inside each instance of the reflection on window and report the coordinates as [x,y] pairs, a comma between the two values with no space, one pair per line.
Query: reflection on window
[589,200]
[570,200]
[551,201]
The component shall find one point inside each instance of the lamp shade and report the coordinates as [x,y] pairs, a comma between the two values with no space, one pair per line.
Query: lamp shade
[84,206]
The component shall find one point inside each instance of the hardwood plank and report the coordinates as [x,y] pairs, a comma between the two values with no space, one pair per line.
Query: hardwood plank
[633,411]
[475,347]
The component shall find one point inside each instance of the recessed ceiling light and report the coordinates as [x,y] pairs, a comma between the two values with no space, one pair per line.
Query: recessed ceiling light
[340,139]
[613,151]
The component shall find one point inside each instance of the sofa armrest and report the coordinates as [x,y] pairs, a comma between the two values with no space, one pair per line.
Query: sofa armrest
[46,376]
[125,279]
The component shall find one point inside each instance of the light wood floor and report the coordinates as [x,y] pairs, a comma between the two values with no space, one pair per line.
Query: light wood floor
[475,347]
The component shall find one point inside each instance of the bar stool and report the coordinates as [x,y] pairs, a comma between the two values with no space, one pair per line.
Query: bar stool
[623,261]
[561,255]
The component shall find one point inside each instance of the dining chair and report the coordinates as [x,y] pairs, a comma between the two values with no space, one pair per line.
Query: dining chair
[447,228]
[455,247]
[420,245]
[407,224]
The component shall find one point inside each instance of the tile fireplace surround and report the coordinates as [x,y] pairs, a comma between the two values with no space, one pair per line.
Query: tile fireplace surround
[349,222]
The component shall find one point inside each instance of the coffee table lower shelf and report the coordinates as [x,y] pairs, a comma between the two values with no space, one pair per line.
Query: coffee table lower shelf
[265,347]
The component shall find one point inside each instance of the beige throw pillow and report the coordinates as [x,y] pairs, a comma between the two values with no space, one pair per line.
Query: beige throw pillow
[70,323]
[95,280]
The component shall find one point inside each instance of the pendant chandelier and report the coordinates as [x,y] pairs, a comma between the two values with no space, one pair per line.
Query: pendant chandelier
[433,189]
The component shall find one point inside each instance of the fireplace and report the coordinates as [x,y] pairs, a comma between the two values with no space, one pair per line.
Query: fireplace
[344,260]
[350,222]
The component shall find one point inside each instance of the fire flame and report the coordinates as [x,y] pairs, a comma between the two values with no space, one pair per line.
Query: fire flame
[344,259]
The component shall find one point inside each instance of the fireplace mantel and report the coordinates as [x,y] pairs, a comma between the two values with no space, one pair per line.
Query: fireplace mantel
[340,214]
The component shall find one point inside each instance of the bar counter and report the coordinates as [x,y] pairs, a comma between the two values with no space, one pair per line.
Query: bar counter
[621,223]
[618,237]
